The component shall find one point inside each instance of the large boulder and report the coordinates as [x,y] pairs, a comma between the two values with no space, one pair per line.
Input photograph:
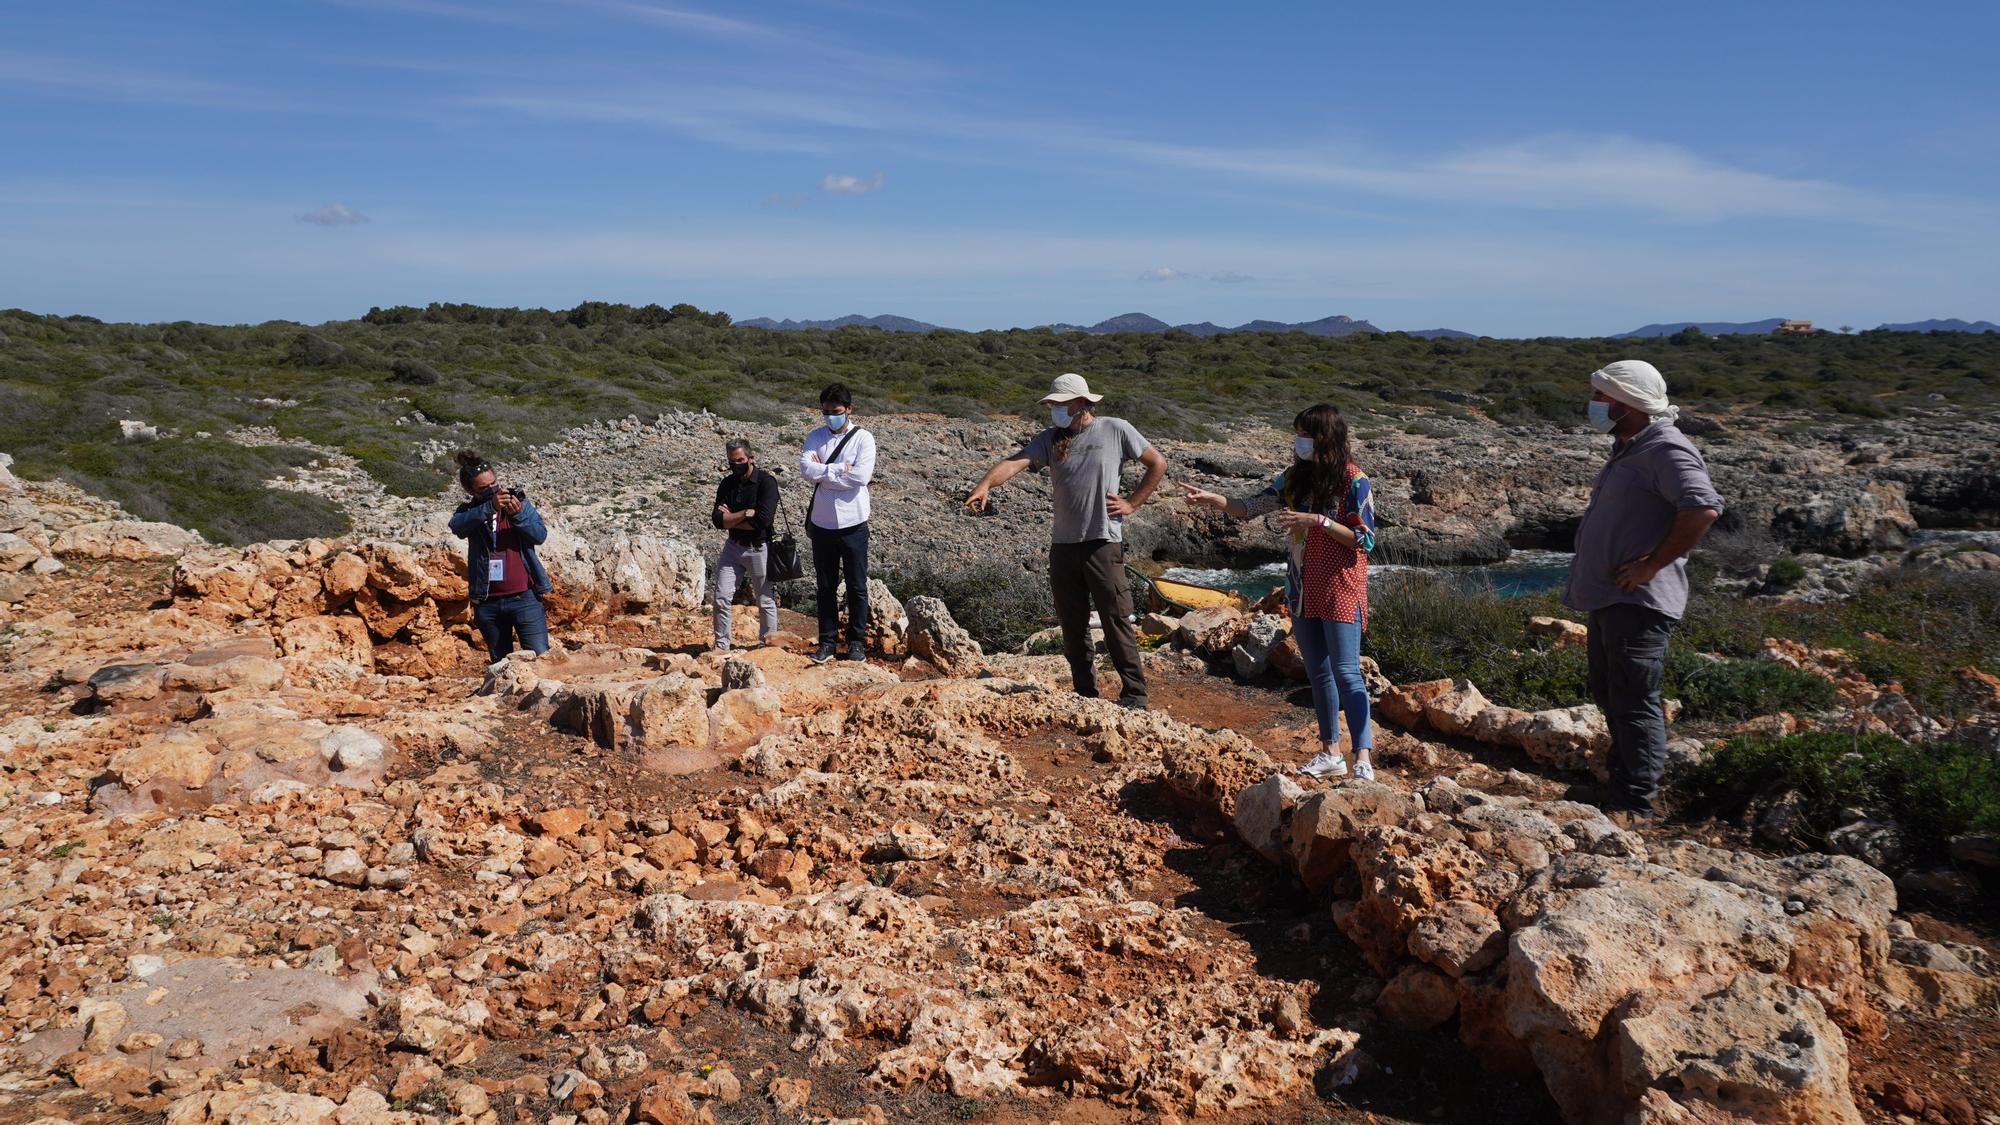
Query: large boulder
[1325,823]
[935,637]
[1251,653]
[1844,516]
[643,573]
[1211,631]
[125,539]
[321,639]
[887,620]
[1568,738]
[1756,1049]
[16,553]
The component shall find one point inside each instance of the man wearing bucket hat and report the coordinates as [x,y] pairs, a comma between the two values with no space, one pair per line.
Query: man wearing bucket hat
[1651,504]
[1084,455]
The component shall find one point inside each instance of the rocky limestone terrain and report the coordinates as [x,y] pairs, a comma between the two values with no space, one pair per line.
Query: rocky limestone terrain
[278,846]
[1456,488]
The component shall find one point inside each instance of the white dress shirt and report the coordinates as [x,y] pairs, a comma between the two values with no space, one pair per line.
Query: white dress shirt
[843,485]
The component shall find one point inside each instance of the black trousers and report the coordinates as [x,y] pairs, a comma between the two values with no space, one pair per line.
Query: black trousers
[844,549]
[1628,659]
[1093,573]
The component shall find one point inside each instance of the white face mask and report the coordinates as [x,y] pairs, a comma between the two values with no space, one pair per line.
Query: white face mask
[1060,415]
[1302,447]
[1600,416]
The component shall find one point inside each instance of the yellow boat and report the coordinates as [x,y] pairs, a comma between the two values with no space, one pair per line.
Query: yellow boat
[1164,594]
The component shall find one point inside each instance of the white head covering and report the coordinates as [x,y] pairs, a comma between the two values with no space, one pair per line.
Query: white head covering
[1637,384]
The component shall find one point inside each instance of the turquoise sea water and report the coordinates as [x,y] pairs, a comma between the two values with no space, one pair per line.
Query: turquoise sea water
[1525,572]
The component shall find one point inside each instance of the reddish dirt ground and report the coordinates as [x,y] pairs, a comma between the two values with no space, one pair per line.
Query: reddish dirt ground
[1919,1070]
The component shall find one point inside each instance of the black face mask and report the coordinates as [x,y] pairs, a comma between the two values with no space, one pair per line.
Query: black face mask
[741,469]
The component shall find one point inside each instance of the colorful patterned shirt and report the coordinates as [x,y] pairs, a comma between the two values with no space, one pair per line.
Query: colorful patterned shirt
[1327,578]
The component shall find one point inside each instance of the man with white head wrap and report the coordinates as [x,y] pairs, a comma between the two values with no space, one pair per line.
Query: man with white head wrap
[1652,503]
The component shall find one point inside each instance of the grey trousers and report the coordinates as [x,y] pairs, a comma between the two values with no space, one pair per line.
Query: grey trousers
[1628,658]
[738,562]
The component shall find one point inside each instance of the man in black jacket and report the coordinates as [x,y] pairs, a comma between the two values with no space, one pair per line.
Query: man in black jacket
[746,503]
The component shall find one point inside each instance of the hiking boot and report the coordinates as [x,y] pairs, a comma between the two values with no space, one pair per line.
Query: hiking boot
[824,654]
[856,652]
[1631,820]
[1326,763]
[1132,702]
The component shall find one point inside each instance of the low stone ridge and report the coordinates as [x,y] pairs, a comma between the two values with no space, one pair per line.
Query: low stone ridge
[1688,983]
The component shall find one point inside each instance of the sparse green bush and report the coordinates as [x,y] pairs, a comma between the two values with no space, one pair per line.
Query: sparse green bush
[415,372]
[1001,605]
[1786,571]
[1934,790]
[1425,628]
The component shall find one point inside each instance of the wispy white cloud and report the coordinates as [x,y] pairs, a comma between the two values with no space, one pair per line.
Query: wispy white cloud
[333,215]
[789,201]
[489,13]
[96,80]
[1229,277]
[1556,172]
[1162,273]
[853,185]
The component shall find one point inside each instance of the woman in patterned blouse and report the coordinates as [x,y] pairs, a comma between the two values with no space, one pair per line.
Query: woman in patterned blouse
[1327,509]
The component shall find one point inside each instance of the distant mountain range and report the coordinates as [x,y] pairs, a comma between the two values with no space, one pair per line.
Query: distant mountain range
[1713,328]
[1766,327]
[1127,322]
[1953,325]
[886,323]
[1343,326]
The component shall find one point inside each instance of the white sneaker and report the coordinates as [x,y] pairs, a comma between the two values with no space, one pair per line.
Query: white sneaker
[1364,770]
[1326,763]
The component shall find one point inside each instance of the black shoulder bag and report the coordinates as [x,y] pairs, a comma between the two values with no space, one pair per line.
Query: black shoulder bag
[782,563]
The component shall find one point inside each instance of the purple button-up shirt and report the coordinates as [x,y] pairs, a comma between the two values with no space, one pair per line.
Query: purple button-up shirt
[1647,482]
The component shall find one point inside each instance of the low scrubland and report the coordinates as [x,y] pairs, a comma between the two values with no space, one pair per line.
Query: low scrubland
[396,388]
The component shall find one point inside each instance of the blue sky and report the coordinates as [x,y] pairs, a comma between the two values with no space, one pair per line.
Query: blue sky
[1513,169]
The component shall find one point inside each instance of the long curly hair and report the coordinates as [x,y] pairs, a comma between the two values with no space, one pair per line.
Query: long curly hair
[1319,484]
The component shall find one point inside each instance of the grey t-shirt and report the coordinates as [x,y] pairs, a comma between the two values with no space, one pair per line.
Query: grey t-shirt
[1086,476]
[1646,483]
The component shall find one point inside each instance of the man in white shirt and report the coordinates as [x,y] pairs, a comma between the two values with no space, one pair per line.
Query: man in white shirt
[839,460]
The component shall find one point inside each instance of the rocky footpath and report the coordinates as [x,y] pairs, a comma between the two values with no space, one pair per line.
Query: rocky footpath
[276,845]
[1452,487]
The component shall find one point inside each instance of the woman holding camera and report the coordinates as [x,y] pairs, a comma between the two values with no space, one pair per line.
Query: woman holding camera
[1326,506]
[505,580]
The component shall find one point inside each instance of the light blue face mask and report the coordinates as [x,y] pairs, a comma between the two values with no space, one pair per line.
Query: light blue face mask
[1302,447]
[836,422]
[1600,416]
[1060,415]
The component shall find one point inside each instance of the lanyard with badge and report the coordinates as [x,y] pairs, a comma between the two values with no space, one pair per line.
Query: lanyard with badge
[496,563]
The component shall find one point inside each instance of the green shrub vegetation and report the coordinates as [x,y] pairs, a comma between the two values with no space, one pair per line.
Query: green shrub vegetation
[1934,790]
[1425,627]
[520,376]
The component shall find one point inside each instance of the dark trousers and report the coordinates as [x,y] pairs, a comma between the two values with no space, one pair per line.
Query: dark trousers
[846,550]
[1628,658]
[1093,573]
[501,619]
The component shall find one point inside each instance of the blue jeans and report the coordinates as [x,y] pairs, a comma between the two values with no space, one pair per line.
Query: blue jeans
[833,552]
[1332,652]
[501,619]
